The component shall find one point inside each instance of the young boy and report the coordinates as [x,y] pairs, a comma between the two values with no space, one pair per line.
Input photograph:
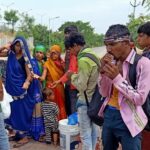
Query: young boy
[50,112]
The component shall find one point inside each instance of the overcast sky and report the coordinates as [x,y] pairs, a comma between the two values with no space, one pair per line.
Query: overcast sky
[100,13]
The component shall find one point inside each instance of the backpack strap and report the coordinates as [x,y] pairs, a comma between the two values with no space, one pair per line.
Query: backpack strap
[93,58]
[132,70]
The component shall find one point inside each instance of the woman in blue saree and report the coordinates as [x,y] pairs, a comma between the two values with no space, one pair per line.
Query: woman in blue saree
[20,86]
[37,129]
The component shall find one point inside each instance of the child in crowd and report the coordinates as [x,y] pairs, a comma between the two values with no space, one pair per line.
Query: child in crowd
[50,112]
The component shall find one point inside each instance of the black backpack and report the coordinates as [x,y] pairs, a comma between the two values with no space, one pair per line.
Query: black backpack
[97,100]
[132,78]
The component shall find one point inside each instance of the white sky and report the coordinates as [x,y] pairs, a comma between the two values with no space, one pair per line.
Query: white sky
[100,13]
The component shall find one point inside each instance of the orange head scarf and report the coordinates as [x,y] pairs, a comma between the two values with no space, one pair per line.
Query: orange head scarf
[55,48]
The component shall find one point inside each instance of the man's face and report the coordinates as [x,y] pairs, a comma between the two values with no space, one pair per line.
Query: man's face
[74,50]
[66,35]
[143,40]
[115,48]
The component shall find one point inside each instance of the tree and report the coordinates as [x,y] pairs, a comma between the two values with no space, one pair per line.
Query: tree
[26,25]
[11,18]
[146,3]
[41,35]
[135,23]
[92,39]
[57,38]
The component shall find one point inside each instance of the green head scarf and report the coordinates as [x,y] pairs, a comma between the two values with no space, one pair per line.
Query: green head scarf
[40,48]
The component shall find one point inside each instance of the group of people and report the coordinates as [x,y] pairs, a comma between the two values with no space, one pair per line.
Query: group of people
[36,85]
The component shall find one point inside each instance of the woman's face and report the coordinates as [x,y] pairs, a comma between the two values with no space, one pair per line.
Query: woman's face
[17,47]
[54,55]
[39,55]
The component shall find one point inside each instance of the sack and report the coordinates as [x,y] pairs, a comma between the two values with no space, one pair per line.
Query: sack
[94,107]
[132,78]
[5,104]
[96,101]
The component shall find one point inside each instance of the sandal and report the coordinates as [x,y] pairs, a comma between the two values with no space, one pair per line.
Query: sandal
[21,143]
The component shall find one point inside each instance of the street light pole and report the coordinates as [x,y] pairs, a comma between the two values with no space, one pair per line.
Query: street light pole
[42,15]
[25,12]
[50,28]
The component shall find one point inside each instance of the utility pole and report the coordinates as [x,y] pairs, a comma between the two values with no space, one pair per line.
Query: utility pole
[50,27]
[134,5]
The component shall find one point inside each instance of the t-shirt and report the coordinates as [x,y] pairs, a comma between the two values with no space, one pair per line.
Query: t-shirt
[114,98]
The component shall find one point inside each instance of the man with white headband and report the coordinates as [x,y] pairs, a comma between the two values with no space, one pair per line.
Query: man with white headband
[124,118]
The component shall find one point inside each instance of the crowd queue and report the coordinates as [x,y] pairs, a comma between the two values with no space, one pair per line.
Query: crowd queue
[46,88]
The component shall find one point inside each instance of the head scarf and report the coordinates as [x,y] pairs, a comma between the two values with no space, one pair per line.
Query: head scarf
[40,48]
[55,48]
[117,38]
[15,75]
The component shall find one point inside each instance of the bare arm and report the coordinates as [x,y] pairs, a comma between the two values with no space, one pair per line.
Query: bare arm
[28,72]
[28,79]
[4,50]
[43,77]
[3,54]
[1,90]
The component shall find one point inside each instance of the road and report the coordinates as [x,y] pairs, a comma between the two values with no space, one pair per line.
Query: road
[33,145]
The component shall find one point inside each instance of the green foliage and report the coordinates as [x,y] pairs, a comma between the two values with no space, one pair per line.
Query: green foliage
[41,35]
[135,23]
[11,17]
[26,25]
[57,38]
[146,3]
[92,39]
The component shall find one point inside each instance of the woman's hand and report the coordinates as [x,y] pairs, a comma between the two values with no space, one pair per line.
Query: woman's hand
[55,83]
[35,76]
[7,46]
[26,85]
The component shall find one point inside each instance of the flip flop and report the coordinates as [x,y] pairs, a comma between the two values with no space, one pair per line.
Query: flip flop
[17,145]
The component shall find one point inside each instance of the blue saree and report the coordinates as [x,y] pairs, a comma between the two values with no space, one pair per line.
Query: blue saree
[37,128]
[23,104]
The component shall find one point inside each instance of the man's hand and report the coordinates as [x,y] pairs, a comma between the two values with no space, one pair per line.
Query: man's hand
[111,70]
[104,60]
[69,74]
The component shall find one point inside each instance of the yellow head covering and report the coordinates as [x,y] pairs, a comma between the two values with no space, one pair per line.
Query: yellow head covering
[55,48]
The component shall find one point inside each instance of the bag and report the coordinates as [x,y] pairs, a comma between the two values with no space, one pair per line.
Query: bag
[96,101]
[132,78]
[73,119]
[94,107]
[5,104]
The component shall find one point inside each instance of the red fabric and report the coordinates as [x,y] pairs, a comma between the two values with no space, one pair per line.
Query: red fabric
[73,67]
